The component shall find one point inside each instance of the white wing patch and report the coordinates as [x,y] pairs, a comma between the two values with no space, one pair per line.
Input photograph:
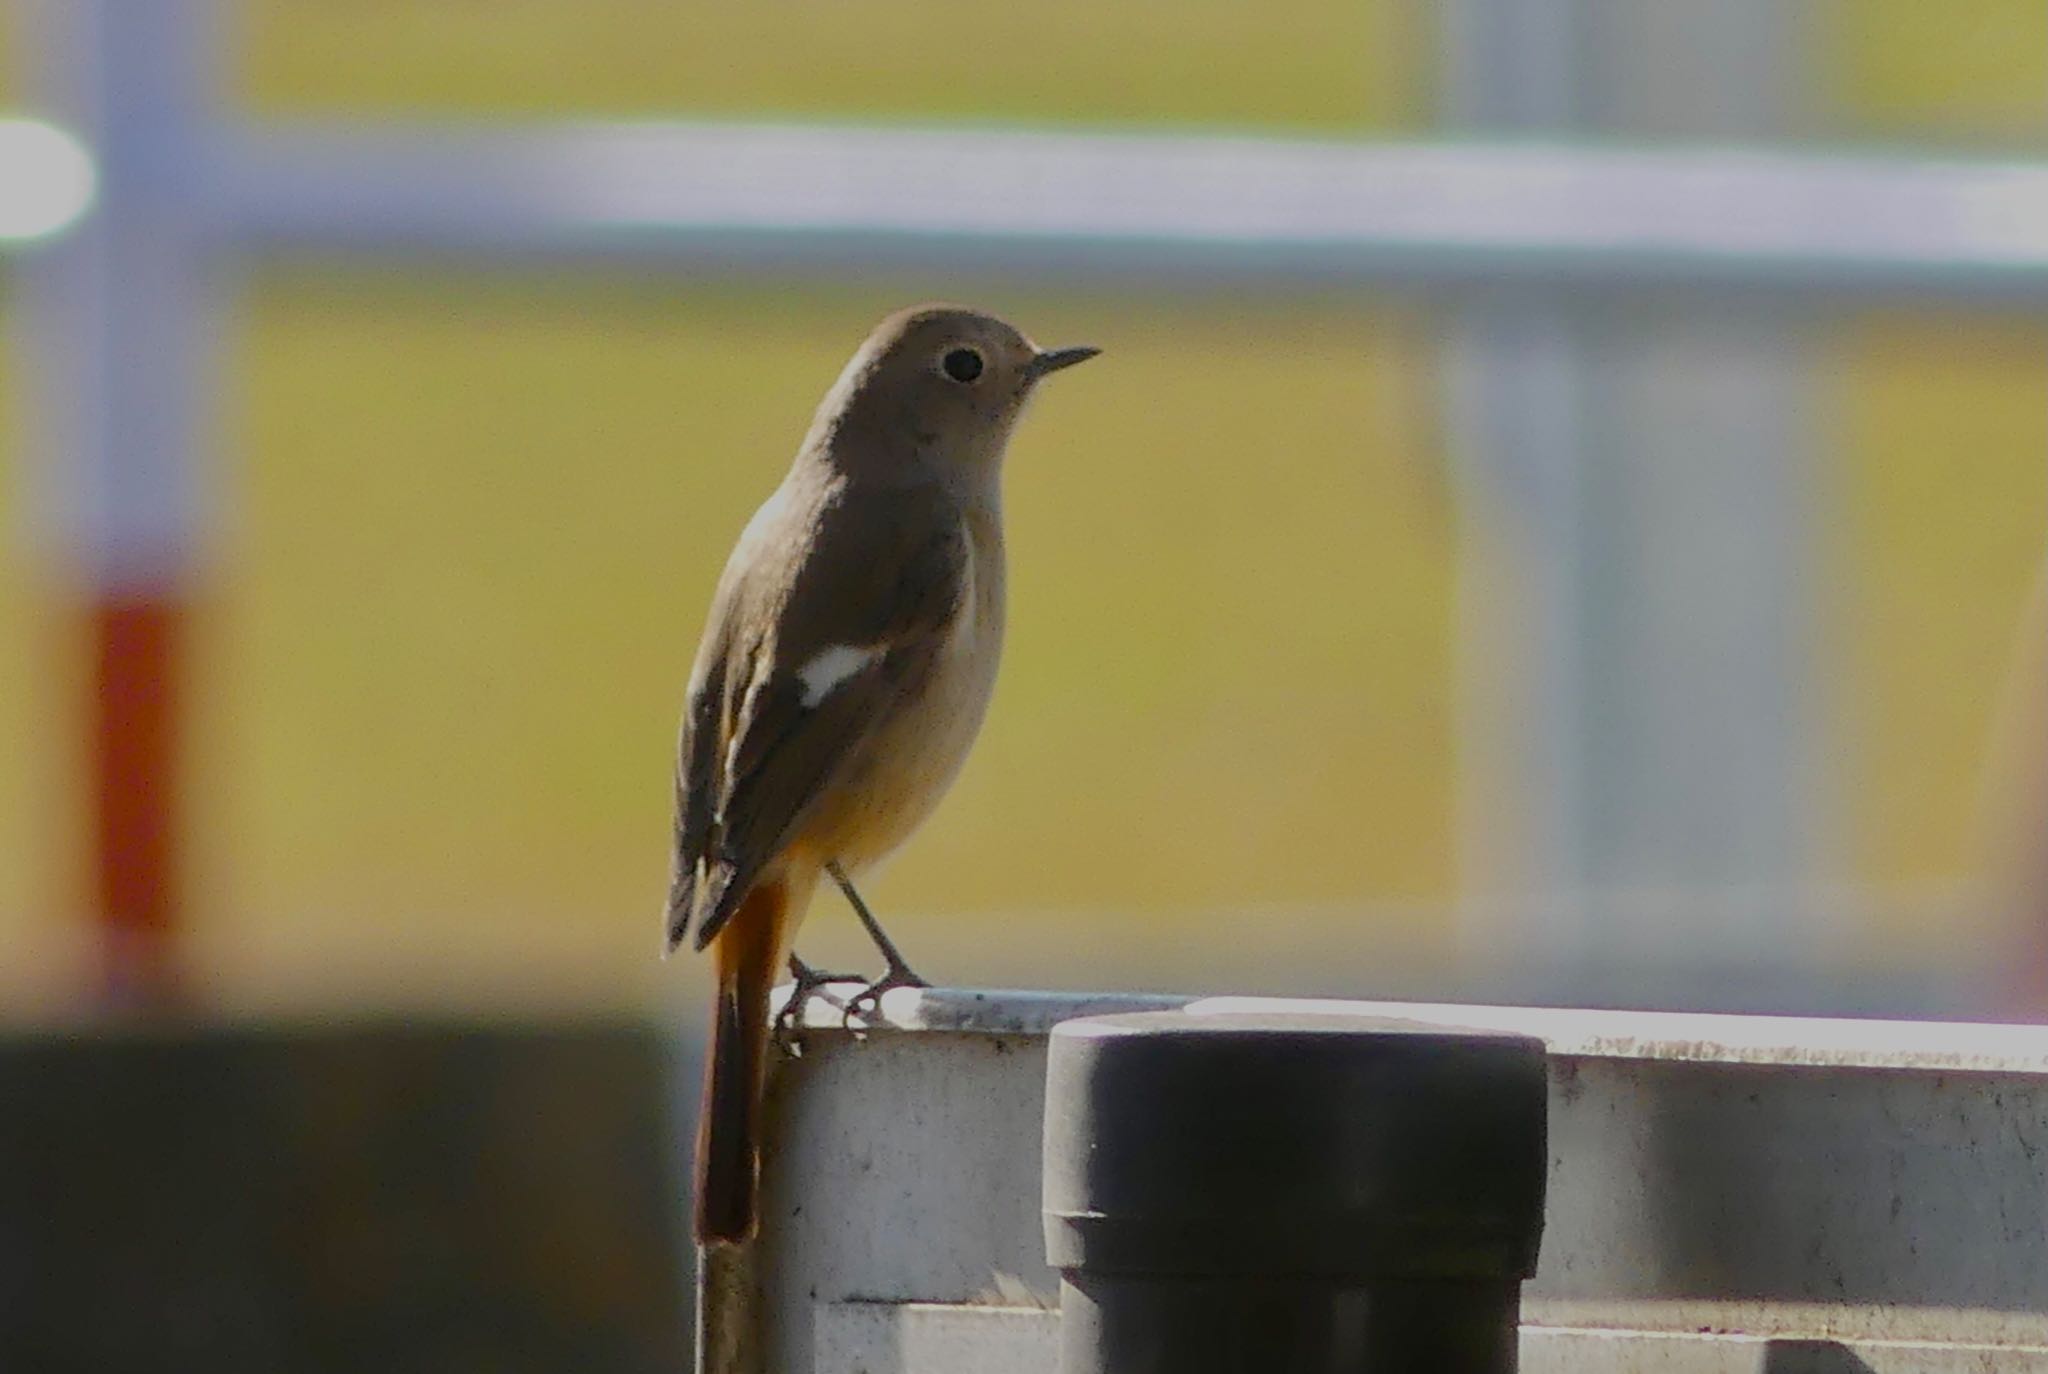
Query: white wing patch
[831,666]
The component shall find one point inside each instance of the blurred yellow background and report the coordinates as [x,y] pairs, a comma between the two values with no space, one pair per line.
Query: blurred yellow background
[471,523]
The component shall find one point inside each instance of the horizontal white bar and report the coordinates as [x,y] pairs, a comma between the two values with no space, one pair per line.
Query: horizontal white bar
[1262,206]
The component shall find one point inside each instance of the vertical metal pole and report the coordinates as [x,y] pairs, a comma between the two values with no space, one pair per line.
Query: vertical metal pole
[1642,767]
[120,366]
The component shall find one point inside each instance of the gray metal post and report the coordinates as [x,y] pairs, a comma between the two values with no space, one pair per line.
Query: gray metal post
[1643,773]
[1290,1194]
[116,325]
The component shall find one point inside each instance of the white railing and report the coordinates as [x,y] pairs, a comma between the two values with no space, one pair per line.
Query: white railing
[695,193]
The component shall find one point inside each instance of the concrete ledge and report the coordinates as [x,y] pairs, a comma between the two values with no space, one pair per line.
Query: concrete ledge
[1777,1179]
[1702,1037]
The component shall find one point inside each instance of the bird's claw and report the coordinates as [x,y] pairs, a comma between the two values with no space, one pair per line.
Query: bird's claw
[866,1004]
[809,983]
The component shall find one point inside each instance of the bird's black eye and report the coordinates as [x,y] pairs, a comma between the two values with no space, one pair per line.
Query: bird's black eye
[961,364]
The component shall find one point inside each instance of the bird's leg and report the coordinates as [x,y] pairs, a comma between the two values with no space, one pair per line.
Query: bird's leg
[899,974]
[810,983]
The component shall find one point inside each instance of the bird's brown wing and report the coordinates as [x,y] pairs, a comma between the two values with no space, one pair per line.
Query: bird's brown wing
[892,584]
[696,776]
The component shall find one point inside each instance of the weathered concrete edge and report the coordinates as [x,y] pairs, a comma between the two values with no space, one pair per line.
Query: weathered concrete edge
[1684,1037]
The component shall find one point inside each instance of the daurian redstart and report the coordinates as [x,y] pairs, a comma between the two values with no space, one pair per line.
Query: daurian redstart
[844,672]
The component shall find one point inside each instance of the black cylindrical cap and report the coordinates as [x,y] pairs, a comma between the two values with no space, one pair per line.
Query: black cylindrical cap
[1311,1147]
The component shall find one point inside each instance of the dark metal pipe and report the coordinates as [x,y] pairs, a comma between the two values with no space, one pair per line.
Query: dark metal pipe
[1238,1194]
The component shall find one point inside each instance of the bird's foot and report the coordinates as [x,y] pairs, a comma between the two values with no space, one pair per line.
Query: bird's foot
[867,1003]
[899,975]
[810,984]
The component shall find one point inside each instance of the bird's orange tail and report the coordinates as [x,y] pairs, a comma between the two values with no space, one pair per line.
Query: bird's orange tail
[745,953]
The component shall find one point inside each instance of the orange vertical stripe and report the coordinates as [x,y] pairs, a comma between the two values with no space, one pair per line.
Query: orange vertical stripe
[136,646]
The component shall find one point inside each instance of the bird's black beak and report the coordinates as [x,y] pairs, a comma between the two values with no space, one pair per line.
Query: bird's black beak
[1053,359]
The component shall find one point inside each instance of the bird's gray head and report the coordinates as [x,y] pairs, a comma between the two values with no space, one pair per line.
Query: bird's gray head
[935,385]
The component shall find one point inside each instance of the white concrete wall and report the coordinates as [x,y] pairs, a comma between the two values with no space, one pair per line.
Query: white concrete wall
[1874,1187]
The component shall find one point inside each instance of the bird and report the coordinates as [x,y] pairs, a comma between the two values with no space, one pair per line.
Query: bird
[844,671]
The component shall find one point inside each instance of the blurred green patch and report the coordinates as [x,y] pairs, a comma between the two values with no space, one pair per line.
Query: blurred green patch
[1934,519]
[478,524]
[1974,72]
[1331,64]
